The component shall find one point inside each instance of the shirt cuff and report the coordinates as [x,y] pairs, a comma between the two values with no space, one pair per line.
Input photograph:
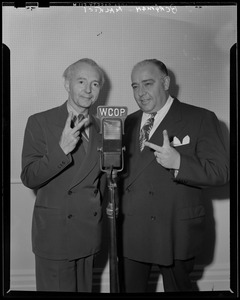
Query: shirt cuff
[176,173]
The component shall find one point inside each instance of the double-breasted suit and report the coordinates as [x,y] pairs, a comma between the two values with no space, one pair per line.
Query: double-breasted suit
[163,216]
[67,213]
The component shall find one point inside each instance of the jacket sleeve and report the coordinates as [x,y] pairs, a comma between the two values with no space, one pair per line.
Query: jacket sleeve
[40,163]
[209,166]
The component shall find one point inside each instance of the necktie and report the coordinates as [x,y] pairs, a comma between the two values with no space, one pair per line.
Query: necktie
[76,120]
[83,131]
[145,131]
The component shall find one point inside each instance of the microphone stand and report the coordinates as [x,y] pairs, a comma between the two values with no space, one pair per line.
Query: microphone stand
[112,213]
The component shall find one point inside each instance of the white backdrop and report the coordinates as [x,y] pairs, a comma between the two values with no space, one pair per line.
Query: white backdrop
[193,42]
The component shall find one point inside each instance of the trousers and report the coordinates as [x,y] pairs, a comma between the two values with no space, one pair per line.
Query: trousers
[176,278]
[64,275]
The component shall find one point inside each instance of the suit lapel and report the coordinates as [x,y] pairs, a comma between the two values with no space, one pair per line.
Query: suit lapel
[58,120]
[170,122]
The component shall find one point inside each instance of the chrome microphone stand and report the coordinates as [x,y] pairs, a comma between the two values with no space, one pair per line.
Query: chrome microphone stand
[112,214]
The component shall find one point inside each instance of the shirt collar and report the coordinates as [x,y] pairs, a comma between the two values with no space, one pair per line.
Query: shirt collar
[70,108]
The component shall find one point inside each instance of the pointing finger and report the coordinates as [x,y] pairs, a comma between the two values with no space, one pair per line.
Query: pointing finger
[153,146]
[166,141]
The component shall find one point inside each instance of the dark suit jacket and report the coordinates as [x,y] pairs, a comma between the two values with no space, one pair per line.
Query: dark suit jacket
[67,214]
[163,216]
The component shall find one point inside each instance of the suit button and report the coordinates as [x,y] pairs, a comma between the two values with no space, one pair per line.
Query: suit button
[95,192]
[151,193]
[95,214]
[69,192]
[153,218]
[70,216]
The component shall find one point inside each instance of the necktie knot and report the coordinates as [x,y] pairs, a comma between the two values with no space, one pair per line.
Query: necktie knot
[145,131]
[80,117]
[77,118]
[153,115]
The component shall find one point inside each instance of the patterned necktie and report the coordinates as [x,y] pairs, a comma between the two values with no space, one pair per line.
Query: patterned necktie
[145,131]
[83,131]
[76,120]
[85,139]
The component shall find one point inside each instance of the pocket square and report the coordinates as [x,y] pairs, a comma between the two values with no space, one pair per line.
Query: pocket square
[176,142]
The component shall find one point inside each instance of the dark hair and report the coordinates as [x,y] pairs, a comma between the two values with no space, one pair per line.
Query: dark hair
[70,69]
[161,66]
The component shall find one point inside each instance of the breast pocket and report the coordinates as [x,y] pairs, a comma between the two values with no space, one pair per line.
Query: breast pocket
[185,149]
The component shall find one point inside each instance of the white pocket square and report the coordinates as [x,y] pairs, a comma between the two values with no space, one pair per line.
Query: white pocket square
[176,142]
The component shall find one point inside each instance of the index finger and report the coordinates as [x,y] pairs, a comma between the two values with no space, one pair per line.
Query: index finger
[80,124]
[153,146]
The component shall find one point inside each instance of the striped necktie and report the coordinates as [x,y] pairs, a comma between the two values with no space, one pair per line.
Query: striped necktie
[85,139]
[82,130]
[145,131]
[76,120]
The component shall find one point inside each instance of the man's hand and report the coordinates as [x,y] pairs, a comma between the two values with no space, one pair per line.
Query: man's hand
[166,155]
[70,136]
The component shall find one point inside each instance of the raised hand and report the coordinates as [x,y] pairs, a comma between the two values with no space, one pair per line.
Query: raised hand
[167,156]
[70,136]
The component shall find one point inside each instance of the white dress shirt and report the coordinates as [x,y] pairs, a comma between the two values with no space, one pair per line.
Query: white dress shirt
[159,116]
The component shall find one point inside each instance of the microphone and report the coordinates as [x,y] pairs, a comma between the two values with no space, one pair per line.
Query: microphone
[112,128]
[111,161]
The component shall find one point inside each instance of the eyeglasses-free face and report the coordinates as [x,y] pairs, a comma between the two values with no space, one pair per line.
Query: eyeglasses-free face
[150,87]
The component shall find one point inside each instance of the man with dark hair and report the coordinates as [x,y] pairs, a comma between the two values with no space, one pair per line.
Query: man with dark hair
[60,161]
[173,150]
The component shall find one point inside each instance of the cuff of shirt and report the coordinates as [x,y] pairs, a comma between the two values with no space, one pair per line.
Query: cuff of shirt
[176,173]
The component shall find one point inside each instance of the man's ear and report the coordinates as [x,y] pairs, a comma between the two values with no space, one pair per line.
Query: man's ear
[66,85]
[166,83]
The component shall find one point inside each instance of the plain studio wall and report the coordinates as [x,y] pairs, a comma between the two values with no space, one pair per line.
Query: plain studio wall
[195,45]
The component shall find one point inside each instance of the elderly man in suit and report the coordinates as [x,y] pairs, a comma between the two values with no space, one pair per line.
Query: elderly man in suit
[162,211]
[60,161]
